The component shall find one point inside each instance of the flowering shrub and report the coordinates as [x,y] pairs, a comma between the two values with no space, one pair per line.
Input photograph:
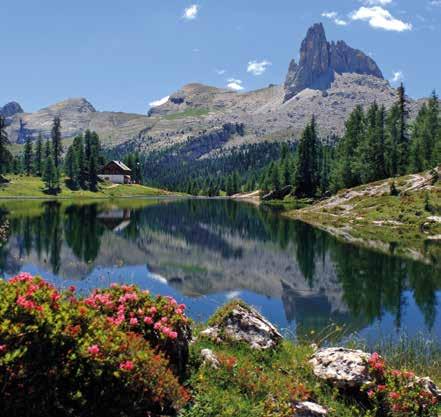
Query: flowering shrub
[399,393]
[159,320]
[60,355]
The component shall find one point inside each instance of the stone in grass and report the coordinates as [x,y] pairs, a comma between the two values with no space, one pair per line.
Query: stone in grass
[239,322]
[344,368]
[309,409]
[210,358]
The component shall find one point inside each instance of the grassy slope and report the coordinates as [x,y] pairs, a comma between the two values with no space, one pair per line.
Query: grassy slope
[370,214]
[250,383]
[33,187]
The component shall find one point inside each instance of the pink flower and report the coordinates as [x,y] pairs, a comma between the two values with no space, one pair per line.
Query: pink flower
[126,366]
[153,310]
[371,393]
[165,330]
[55,297]
[2,348]
[148,320]
[157,325]
[179,311]
[182,306]
[396,372]
[394,395]
[381,388]
[172,335]
[164,320]
[94,350]
[133,321]
[140,312]
[72,288]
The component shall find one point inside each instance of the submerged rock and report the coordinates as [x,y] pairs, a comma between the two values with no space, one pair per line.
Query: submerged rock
[309,409]
[344,368]
[241,323]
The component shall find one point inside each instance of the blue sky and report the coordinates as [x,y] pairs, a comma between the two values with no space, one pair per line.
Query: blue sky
[124,54]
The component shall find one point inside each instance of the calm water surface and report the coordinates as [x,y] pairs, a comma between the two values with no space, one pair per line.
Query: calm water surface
[207,252]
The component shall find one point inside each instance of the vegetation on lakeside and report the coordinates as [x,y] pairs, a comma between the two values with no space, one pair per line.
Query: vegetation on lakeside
[60,353]
[22,186]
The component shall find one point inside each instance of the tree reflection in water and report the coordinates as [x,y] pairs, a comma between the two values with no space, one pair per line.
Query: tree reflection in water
[204,247]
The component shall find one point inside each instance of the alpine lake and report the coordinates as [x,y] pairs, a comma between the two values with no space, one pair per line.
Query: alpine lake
[206,252]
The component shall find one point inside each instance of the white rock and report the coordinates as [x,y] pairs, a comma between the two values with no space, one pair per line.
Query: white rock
[310,409]
[342,367]
[210,358]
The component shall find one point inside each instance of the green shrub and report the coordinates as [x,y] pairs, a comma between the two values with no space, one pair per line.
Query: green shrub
[59,356]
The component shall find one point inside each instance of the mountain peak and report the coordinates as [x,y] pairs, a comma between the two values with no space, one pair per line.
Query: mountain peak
[320,60]
[10,109]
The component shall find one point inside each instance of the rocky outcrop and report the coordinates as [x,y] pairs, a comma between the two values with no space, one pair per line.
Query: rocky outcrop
[344,368]
[210,358]
[278,194]
[320,60]
[241,323]
[309,409]
[10,109]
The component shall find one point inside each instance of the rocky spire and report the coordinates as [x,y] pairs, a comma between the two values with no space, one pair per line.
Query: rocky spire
[320,60]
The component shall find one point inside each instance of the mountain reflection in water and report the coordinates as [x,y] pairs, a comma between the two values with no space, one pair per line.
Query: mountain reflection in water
[205,252]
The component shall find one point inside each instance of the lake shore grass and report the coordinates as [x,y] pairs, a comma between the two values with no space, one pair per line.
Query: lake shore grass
[24,187]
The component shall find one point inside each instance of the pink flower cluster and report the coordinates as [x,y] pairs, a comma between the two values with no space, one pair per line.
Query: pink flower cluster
[127,306]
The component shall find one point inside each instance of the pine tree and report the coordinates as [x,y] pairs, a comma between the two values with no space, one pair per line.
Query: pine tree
[403,138]
[433,130]
[71,167]
[57,148]
[346,169]
[38,156]
[28,157]
[78,148]
[5,155]
[51,176]
[306,176]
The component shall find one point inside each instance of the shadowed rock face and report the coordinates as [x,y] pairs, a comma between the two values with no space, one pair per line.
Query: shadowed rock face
[10,109]
[320,60]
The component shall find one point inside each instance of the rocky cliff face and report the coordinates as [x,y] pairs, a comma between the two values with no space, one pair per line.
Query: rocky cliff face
[10,109]
[320,60]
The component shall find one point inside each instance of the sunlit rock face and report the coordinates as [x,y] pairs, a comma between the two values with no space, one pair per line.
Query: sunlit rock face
[320,60]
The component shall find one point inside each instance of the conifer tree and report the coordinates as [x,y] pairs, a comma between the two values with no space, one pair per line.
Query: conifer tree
[38,156]
[57,148]
[306,178]
[5,155]
[51,176]
[28,157]
[71,167]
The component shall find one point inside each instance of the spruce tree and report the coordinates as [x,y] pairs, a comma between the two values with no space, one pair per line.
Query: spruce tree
[28,157]
[51,176]
[57,148]
[71,167]
[306,176]
[38,156]
[5,155]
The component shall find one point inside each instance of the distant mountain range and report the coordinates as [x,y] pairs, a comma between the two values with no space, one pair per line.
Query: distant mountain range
[329,81]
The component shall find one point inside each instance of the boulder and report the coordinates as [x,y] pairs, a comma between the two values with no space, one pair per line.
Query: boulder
[278,194]
[210,358]
[344,368]
[429,386]
[309,409]
[241,323]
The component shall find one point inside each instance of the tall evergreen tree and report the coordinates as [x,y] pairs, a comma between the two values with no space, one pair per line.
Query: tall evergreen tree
[57,147]
[5,155]
[306,176]
[38,156]
[51,176]
[71,167]
[28,156]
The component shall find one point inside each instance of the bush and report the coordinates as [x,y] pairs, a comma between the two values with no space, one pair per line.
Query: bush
[159,320]
[399,393]
[59,356]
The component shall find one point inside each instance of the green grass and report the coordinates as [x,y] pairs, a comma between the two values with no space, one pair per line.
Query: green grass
[33,187]
[188,113]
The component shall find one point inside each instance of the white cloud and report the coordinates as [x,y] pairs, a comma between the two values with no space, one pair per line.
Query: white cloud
[220,71]
[380,18]
[191,12]
[377,2]
[234,84]
[334,17]
[397,77]
[435,3]
[257,68]
[160,102]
